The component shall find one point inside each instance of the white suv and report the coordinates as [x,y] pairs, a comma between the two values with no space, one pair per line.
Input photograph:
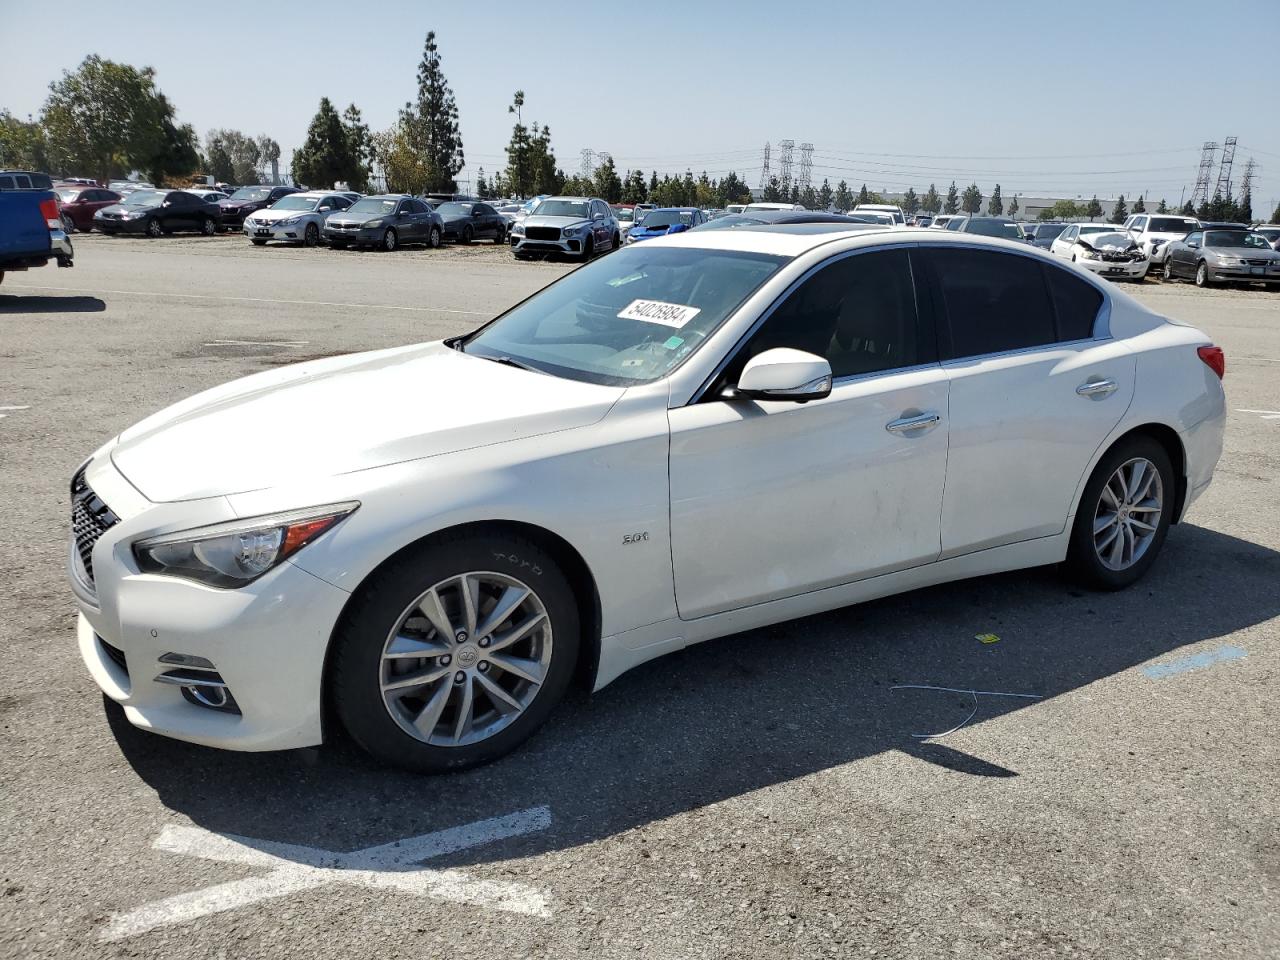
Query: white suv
[1154,231]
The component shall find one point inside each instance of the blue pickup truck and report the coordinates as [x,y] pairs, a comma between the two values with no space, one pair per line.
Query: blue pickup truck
[31,231]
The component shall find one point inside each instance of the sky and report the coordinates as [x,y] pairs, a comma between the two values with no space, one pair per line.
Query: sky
[1046,99]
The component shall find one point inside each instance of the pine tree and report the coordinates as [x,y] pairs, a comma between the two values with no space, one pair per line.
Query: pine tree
[607,184]
[1162,207]
[953,200]
[863,196]
[482,185]
[843,198]
[1188,209]
[220,167]
[1013,207]
[1275,214]
[972,199]
[995,206]
[359,146]
[809,198]
[825,195]
[1244,209]
[772,190]
[635,190]
[1140,205]
[1121,212]
[431,125]
[325,156]
[932,203]
[653,184]
[1094,209]
[519,151]
[910,202]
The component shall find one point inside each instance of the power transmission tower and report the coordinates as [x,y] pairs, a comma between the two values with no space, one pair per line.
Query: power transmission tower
[1246,182]
[784,162]
[765,173]
[1223,189]
[1200,194]
[588,162]
[806,166]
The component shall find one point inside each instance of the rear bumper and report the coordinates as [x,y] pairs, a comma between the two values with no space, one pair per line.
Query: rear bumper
[60,249]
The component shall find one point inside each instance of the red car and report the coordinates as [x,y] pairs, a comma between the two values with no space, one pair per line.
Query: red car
[79,203]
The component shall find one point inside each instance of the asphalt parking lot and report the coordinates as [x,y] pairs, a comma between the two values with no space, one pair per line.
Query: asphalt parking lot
[757,796]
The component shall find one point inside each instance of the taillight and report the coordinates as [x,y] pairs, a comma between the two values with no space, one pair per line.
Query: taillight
[1214,359]
[49,210]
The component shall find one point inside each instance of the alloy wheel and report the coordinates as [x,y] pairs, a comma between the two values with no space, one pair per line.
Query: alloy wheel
[466,659]
[311,236]
[1202,275]
[433,240]
[1127,516]
[153,228]
[1167,271]
[208,228]
[389,240]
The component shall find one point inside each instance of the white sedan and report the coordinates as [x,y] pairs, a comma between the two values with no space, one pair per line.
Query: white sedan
[1102,248]
[695,436]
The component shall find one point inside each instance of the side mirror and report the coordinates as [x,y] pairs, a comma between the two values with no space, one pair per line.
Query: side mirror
[785,374]
[1193,245]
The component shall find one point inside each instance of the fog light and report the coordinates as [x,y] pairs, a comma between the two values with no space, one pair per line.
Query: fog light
[202,687]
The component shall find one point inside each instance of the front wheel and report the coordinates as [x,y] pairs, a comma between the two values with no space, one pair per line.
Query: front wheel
[455,654]
[1202,275]
[1166,272]
[1124,515]
[390,240]
[434,239]
[311,236]
[467,234]
[588,248]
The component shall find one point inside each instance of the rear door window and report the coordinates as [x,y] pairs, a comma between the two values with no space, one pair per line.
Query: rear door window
[991,302]
[1075,303]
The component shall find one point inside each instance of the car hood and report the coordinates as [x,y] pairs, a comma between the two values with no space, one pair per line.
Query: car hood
[122,207]
[342,414]
[533,220]
[240,204]
[1247,253]
[271,215]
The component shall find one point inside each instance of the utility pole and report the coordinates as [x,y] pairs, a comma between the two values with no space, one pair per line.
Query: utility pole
[784,163]
[764,169]
[806,166]
[1223,189]
[1201,192]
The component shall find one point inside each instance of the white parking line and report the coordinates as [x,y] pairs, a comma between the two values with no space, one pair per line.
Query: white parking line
[201,296]
[3,415]
[1265,414]
[257,343]
[293,868]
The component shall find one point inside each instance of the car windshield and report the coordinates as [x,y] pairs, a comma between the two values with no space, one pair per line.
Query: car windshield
[662,219]
[628,318]
[372,206]
[563,208]
[1047,231]
[68,195]
[1271,233]
[994,228]
[1235,238]
[1171,225]
[624,216]
[295,201]
[456,209]
[144,198]
[251,193]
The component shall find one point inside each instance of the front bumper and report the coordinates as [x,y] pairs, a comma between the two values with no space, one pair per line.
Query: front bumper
[234,219]
[1117,270]
[521,244]
[133,225]
[266,640]
[274,231]
[359,236]
[1251,274]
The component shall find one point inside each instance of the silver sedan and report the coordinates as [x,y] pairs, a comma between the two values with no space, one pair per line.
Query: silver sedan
[297,218]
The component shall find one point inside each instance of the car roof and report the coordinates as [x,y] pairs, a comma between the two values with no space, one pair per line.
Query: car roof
[792,240]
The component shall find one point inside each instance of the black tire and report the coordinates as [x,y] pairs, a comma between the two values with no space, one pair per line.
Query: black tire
[1202,275]
[500,237]
[390,240]
[311,235]
[522,256]
[257,242]
[68,225]
[1166,272]
[617,241]
[355,667]
[588,248]
[153,228]
[468,234]
[434,239]
[208,226]
[1083,562]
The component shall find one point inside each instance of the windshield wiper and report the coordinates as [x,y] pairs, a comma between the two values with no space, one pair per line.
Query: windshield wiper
[509,362]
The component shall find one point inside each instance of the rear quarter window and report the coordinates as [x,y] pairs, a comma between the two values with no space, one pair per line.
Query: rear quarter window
[1075,304]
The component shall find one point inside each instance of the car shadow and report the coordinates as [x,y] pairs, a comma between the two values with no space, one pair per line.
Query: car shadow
[19,304]
[742,713]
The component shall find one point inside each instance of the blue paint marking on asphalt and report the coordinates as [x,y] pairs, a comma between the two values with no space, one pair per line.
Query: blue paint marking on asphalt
[1197,661]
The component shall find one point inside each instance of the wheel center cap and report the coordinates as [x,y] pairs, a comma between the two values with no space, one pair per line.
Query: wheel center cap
[468,656]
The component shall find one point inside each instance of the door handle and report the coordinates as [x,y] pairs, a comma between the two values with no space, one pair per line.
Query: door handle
[923,421]
[1097,388]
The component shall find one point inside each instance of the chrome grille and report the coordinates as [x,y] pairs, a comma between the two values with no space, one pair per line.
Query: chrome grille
[90,519]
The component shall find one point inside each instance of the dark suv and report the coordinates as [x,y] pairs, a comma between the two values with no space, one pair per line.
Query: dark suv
[249,200]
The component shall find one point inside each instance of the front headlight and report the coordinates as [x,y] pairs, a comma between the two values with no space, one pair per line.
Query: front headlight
[236,553]
[571,231]
[1229,261]
[292,221]
[1087,254]
[372,223]
[518,230]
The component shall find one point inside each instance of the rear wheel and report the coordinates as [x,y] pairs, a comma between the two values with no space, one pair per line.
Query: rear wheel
[455,654]
[500,237]
[311,236]
[1124,515]
[153,228]
[68,225]
[208,227]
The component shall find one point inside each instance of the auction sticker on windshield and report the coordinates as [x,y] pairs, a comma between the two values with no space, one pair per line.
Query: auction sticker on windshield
[655,311]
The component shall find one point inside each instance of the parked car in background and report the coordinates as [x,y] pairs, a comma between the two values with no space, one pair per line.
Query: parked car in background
[297,218]
[79,203]
[1154,231]
[1045,233]
[922,220]
[508,212]
[249,200]
[424,544]
[1217,256]
[1064,244]
[386,221]
[156,212]
[881,217]
[941,220]
[129,186]
[578,226]
[1272,232]
[1110,253]
[207,194]
[892,209]
[469,221]
[31,232]
[762,218]
[734,208]
[992,227]
[664,220]
[626,217]
[766,205]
